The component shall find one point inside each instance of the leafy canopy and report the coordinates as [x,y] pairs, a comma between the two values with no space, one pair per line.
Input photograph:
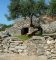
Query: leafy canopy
[25,8]
[52,8]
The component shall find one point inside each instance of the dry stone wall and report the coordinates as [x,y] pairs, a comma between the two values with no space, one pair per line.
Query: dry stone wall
[37,45]
[19,24]
[42,46]
[12,45]
[49,28]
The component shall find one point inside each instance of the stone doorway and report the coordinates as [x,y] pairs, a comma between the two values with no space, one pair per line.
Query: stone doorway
[24,30]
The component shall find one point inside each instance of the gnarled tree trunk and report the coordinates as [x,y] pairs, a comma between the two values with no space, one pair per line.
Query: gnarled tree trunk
[31,24]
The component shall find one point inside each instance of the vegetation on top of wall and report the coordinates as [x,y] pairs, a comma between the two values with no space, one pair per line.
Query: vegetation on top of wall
[8,26]
[4,26]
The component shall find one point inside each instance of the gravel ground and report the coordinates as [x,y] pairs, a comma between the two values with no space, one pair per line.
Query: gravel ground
[17,57]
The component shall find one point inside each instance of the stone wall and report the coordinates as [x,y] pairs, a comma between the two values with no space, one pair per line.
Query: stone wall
[49,28]
[18,25]
[37,45]
[42,46]
[21,23]
[12,45]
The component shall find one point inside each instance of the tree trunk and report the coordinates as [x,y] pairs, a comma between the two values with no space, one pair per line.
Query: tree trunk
[52,14]
[31,24]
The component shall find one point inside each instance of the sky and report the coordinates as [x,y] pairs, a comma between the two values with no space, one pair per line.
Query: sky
[4,10]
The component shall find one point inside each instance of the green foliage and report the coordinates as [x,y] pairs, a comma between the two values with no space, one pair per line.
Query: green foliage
[41,6]
[52,8]
[7,26]
[30,7]
[25,8]
[4,26]
[14,8]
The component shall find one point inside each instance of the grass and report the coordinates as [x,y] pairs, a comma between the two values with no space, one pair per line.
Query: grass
[24,37]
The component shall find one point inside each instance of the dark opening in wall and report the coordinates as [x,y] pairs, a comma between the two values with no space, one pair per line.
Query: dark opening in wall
[24,30]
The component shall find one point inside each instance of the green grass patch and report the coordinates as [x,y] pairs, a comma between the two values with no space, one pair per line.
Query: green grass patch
[24,37]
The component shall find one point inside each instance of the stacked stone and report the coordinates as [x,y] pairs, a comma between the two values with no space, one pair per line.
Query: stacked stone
[37,45]
[42,46]
[49,28]
[51,48]
[0,44]
[13,45]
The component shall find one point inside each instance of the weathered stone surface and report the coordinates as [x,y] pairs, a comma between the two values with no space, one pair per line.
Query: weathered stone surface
[37,37]
[44,47]
[50,40]
[55,45]
[37,45]
[48,53]
[20,47]
[49,28]
[42,57]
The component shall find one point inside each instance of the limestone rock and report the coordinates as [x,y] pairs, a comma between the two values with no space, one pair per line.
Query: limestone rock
[20,47]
